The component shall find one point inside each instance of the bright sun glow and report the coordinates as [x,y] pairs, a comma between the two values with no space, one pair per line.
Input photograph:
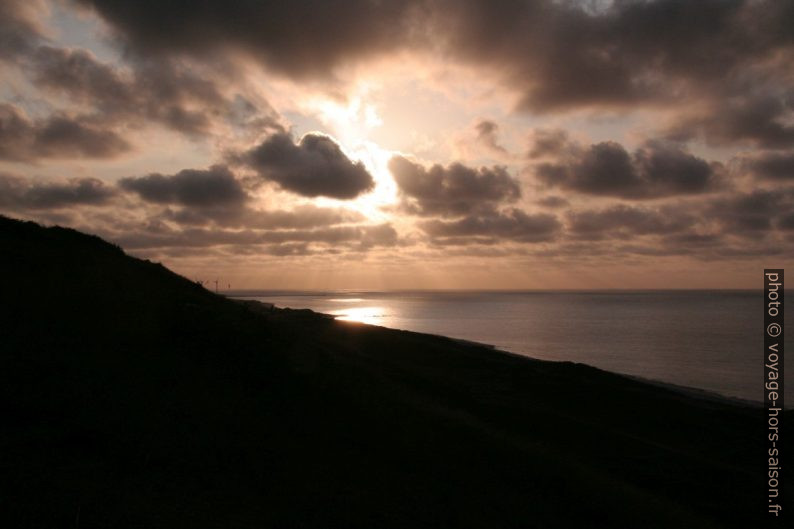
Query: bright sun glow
[351,123]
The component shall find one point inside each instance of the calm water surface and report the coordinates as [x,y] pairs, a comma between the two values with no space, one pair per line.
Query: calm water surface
[704,339]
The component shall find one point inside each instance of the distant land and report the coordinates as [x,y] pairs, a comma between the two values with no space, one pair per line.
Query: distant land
[133,397]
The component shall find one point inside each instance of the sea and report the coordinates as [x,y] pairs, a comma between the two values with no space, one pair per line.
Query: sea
[706,339]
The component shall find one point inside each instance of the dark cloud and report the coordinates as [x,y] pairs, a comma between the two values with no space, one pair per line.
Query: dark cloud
[655,170]
[162,91]
[58,136]
[565,54]
[513,225]
[79,74]
[552,201]
[300,39]
[20,194]
[751,214]
[350,238]
[622,221]
[770,166]
[748,118]
[214,196]
[216,186]
[488,136]
[19,28]
[786,222]
[452,190]
[549,142]
[720,68]
[234,216]
[315,166]
[196,197]
[691,241]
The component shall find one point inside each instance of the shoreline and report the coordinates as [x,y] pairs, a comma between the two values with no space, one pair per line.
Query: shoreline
[688,391]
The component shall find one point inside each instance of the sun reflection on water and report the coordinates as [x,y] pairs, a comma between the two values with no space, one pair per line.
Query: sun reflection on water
[370,315]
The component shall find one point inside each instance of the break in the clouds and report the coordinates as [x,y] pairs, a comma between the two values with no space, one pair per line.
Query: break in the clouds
[654,170]
[315,166]
[453,190]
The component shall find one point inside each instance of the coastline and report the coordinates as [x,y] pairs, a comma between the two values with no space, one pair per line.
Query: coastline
[689,391]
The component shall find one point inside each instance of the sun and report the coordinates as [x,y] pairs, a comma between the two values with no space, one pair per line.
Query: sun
[351,123]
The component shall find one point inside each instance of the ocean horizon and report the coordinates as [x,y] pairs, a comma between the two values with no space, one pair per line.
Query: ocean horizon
[710,340]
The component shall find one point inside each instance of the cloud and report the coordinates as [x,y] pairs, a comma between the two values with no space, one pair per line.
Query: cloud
[245,216]
[752,214]
[338,238]
[57,136]
[567,54]
[315,166]
[719,56]
[743,116]
[655,170]
[488,136]
[79,74]
[163,91]
[622,221]
[513,224]
[215,186]
[19,194]
[299,39]
[719,68]
[552,201]
[549,142]
[770,166]
[198,197]
[558,53]
[169,91]
[452,190]
[19,27]
[786,222]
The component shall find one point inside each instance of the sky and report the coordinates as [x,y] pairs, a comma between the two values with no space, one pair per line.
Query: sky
[417,144]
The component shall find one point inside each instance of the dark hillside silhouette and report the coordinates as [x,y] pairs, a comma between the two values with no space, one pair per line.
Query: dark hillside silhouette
[132,397]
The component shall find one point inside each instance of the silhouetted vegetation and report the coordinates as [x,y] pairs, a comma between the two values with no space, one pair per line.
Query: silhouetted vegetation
[132,397]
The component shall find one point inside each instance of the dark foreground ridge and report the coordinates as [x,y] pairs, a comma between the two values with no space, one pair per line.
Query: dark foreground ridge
[132,397]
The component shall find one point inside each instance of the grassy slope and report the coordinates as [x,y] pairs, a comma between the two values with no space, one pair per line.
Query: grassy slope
[131,397]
